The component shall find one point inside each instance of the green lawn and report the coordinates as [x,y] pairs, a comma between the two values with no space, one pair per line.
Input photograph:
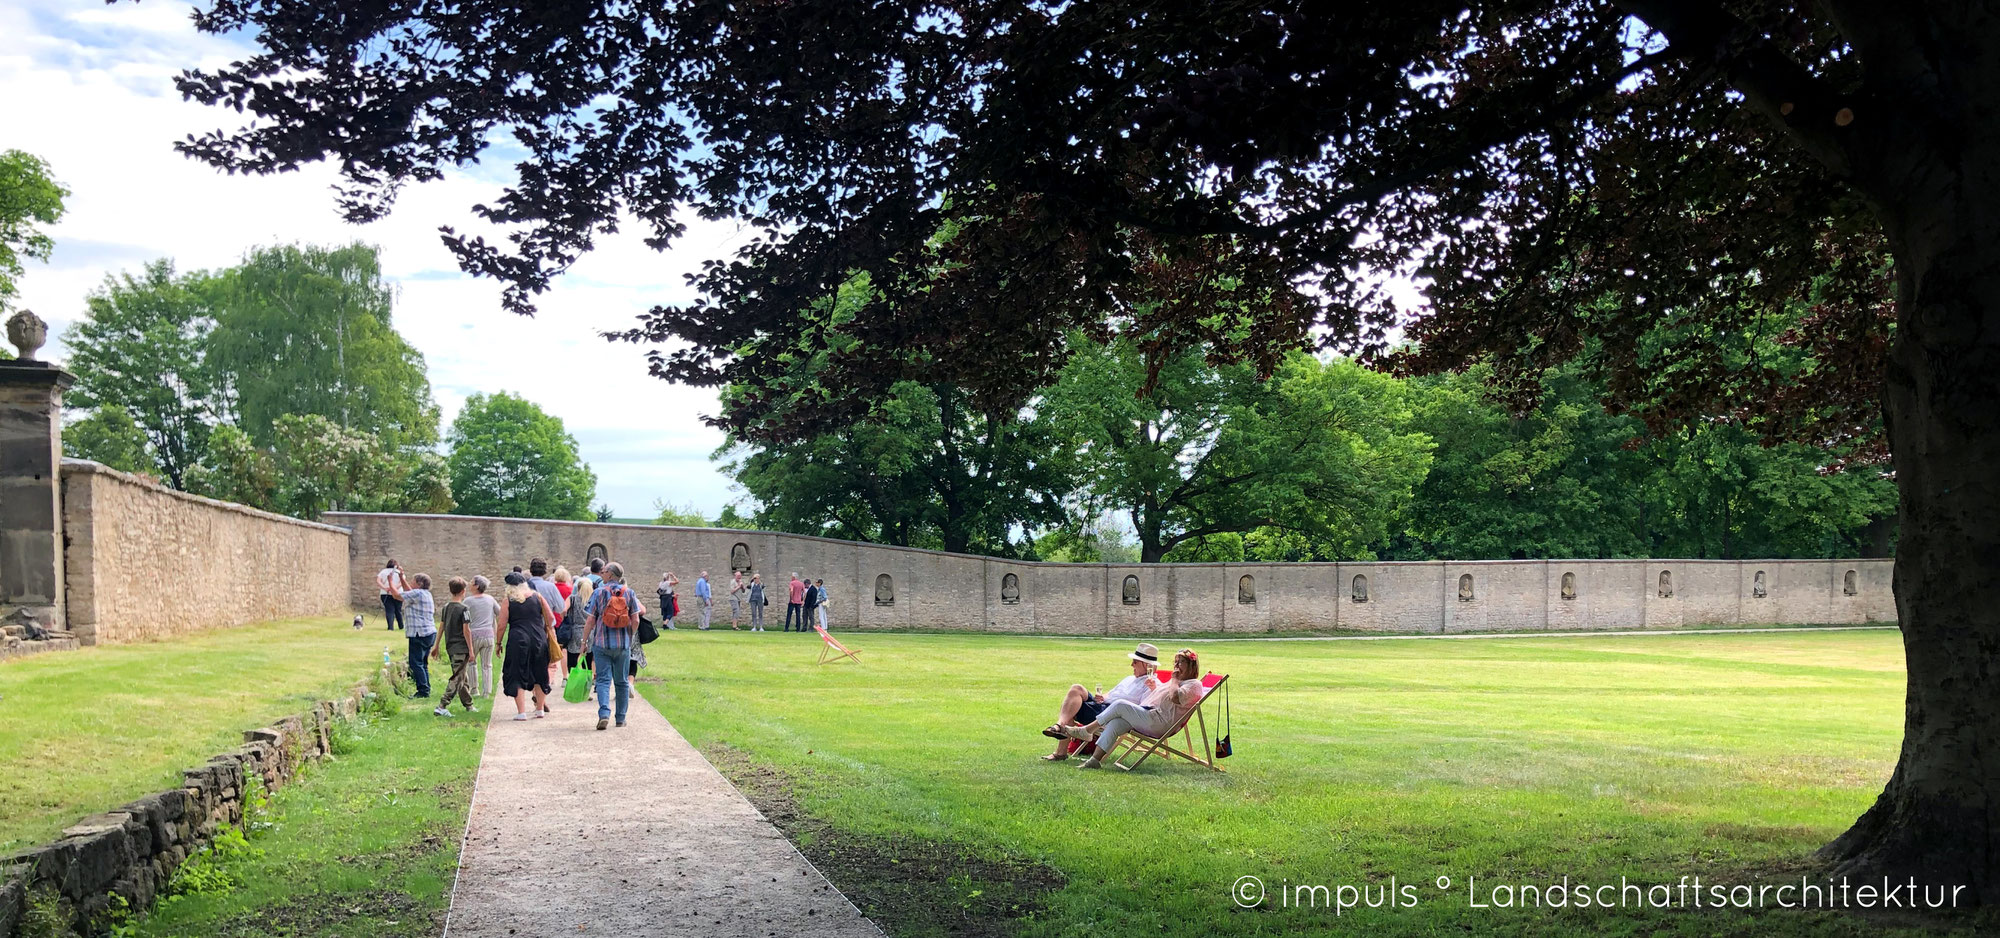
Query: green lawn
[1730,757]
[363,846]
[91,729]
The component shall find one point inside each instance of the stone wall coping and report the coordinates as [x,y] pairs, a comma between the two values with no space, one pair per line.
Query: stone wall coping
[72,464]
[1632,561]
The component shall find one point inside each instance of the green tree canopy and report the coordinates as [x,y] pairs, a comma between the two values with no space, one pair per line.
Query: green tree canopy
[142,346]
[510,459]
[108,435]
[29,199]
[1319,450]
[304,329]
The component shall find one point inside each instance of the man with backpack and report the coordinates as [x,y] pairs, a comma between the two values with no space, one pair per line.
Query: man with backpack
[612,632]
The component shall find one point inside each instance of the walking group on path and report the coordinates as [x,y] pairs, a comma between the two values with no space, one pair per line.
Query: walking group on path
[543,626]
[804,598]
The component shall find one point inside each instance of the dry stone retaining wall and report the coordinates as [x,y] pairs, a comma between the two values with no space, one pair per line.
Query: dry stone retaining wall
[933,590]
[133,851]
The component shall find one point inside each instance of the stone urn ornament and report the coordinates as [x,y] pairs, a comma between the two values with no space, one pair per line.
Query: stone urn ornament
[28,332]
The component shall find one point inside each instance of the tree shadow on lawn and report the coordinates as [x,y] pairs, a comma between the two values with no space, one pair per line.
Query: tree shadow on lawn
[909,886]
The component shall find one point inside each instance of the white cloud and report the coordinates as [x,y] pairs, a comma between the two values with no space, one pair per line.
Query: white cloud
[90,89]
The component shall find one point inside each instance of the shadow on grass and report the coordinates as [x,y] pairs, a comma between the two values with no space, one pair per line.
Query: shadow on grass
[912,888]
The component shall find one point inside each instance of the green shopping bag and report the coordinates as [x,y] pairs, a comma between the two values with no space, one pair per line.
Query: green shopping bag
[577,688]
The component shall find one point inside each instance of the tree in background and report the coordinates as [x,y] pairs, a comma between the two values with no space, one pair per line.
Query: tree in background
[142,346]
[925,468]
[927,465]
[108,435]
[304,329]
[235,469]
[1192,450]
[510,459]
[605,514]
[678,516]
[317,467]
[29,199]
[426,485]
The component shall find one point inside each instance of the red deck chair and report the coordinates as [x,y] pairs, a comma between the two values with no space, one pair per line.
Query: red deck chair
[1145,745]
[830,645]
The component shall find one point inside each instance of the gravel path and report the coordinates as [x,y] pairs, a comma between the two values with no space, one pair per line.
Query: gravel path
[628,832]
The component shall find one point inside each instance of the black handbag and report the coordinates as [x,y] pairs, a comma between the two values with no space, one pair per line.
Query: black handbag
[1222,748]
[647,630]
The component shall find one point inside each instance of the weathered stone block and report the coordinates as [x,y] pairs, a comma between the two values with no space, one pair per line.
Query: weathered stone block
[13,895]
[101,857]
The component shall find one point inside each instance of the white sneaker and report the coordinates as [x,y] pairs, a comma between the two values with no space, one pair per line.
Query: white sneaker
[441,711]
[520,717]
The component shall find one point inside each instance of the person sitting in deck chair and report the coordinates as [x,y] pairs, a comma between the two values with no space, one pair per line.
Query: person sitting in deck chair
[1079,705]
[1161,711]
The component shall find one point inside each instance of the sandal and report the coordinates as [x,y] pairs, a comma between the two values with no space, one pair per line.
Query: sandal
[1056,757]
[1054,731]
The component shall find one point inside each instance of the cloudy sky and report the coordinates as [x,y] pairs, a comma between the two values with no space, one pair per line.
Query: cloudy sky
[89,87]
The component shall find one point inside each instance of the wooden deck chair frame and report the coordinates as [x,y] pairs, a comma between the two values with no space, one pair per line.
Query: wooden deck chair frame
[828,645]
[1136,741]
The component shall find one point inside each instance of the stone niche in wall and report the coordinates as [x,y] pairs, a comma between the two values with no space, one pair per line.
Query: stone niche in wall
[1010,590]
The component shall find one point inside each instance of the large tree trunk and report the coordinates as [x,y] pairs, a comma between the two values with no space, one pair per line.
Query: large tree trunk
[1939,818]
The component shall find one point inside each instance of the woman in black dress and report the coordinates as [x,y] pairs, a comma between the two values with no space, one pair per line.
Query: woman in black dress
[525,666]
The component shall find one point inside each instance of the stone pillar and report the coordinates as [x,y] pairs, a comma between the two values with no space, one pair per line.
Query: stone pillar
[31,538]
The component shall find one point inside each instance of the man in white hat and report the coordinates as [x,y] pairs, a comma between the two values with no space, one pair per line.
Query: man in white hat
[1080,706]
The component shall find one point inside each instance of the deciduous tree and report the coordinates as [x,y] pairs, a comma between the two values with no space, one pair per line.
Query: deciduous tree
[29,199]
[304,329]
[142,346]
[108,435]
[511,459]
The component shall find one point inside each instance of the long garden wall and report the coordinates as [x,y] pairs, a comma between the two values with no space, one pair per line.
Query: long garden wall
[959,592]
[142,561]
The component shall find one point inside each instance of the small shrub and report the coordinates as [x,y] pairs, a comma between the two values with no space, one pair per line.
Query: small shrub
[204,873]
[256,805]
[47,915]
[342,737]
[117,921]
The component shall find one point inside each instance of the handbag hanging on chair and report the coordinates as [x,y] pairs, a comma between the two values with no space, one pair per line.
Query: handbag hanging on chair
[1222,748]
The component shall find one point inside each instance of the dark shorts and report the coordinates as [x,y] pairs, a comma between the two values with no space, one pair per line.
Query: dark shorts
[1090,709]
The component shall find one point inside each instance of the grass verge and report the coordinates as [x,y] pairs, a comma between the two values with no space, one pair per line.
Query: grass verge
[82,731]
[363,845]
[1517,762]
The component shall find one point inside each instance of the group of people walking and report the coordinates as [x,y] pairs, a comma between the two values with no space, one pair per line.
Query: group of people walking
[803,599]
[540,627]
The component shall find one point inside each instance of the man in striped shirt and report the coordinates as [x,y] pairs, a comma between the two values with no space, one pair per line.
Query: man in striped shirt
[420,627]
[610,641]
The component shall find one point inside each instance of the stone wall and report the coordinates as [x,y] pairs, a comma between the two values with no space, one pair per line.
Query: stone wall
[142,561]
[959,592]
[133,851]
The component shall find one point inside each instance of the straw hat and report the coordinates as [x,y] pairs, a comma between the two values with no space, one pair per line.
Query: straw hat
[1147,653]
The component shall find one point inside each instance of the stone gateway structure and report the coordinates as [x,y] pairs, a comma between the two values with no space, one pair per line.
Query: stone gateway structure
[880,587]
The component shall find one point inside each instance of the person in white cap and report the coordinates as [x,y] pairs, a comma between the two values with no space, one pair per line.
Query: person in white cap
[1080,706]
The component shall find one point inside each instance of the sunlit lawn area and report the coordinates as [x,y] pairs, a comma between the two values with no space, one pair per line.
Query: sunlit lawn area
[1520,761]
[363,846]
[88,730]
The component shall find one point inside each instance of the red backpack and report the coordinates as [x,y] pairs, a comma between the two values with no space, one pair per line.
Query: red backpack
[617,613]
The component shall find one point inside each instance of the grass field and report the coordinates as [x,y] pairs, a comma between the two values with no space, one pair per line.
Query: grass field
[1729,757]
[88,730]
[363,846]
